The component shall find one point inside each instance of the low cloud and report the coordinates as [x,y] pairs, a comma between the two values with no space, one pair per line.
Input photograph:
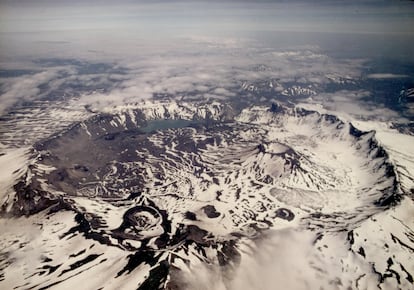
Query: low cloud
[23,88]
[386,76]
[55,79]
[358,104]
[283,260]
[288,259]
[219,74]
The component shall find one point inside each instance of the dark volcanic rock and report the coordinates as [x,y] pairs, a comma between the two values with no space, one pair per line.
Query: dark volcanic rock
[285,214]
[211,211]
[29,199]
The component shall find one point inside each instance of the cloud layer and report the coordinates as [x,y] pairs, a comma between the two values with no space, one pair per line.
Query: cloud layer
[203,68]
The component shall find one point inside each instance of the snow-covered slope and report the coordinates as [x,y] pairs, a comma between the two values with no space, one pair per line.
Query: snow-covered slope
[152,193]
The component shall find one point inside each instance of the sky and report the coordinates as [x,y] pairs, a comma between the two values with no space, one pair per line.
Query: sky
[92,24]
